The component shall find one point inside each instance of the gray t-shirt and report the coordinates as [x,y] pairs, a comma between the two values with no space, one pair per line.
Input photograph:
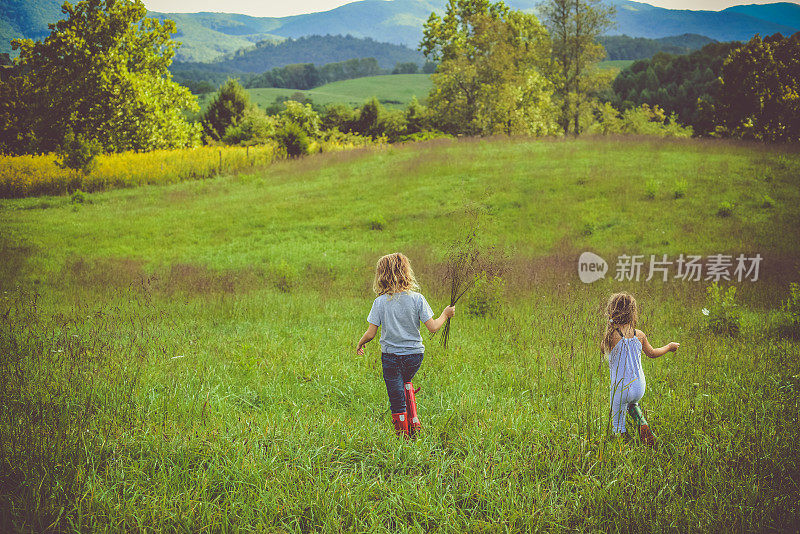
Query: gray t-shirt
[399,317]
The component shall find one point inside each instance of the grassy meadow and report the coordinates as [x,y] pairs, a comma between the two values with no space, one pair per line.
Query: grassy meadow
[182,358]
[616,64]
[393,91]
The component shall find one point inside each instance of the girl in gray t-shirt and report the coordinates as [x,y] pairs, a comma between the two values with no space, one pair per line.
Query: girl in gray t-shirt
[399,310]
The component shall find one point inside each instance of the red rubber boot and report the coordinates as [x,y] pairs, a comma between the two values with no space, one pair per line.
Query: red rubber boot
[400,421]
[414,425]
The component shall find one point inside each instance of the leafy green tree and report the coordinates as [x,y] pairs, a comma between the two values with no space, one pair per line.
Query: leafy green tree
[339,117]
[101,73]
[227,109]
[303,116]
[759,93]
[681,81]
[491,73]
[392,125]
[416,117]
[574,27]
[255,128]
[369,116]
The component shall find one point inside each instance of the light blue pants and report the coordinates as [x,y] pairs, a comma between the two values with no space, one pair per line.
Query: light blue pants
[625,392]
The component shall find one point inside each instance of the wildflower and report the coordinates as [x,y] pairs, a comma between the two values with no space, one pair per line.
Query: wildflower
[705,311]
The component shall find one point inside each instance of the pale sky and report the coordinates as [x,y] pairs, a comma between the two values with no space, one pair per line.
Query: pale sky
[282,8]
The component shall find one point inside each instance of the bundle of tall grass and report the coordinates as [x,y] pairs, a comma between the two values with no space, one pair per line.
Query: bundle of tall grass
[22,176]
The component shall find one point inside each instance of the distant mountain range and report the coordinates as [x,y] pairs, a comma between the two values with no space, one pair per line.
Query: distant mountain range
[318,50]
[206,36]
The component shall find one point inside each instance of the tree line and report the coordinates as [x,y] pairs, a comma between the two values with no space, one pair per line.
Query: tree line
[100,82]
[735,89]
[304,76]
[308,76]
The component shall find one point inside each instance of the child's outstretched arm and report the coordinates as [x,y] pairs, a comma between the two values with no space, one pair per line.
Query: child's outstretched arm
[660,351]
[368,336]
[435,324]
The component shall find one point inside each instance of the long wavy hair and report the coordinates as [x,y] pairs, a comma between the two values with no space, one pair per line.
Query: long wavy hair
[393,274]
[621,310]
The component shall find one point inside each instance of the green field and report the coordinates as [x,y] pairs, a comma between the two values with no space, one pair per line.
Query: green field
[617,64]
[393,91]
[181,357]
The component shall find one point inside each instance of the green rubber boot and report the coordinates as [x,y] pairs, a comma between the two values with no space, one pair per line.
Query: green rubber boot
[644,429]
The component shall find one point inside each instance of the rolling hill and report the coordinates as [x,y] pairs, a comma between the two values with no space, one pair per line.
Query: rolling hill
[209,35]
[780,13]
[310,49]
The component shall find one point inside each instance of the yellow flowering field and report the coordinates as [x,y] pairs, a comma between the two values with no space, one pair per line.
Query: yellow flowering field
[22,176]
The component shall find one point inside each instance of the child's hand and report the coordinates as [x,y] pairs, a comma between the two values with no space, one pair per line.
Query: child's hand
[449,311]
[673,347]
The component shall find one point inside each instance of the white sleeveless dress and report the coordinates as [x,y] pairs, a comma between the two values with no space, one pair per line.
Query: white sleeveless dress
[627,379]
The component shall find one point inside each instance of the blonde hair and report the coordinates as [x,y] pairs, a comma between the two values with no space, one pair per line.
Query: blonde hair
[393,274]
[620,310]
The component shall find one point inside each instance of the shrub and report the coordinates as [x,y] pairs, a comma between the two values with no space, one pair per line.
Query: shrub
[680,189]
[425,135]
[789,315]
[725,209]
[393,125]
[485,297]
[256,128]
[339,117]
[78,197]
[377,223]
[293,139]
[303,115]
[416,117]
[724,316]
[78,153]
[651,188]
[642,120]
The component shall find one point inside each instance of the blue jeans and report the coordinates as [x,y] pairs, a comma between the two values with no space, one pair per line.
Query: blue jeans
[397,370]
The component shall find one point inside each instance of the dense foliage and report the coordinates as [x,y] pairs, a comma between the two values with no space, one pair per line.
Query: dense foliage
[674,83]
[758,96]
[227,109]
[726,89]
[102,74]
[492,75]
[624,47]
[575,26]
[308,76]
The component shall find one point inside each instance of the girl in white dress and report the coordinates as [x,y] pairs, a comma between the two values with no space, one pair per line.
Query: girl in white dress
[623,345]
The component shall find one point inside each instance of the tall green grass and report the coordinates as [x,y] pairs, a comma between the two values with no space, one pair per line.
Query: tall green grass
[192,366]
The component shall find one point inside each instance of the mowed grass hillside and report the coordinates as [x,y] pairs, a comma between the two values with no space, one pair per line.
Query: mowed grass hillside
[393,91]
[181,357]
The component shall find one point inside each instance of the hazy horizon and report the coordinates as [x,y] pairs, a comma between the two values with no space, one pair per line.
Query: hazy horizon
[259,8]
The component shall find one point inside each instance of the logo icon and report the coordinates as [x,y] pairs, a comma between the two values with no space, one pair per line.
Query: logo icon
[591,267]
